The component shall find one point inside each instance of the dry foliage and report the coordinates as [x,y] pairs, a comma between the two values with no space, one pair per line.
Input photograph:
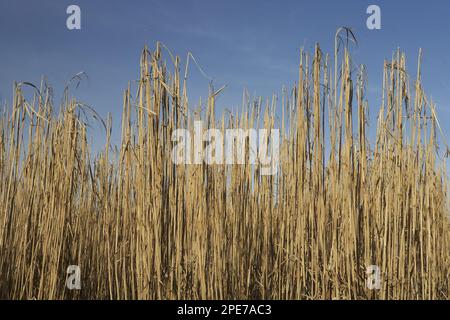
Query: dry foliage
[141,227]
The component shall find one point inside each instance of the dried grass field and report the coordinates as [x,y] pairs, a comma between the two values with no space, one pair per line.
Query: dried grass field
[141,227]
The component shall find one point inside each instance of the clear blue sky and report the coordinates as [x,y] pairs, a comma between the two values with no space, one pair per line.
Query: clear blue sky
[252,44]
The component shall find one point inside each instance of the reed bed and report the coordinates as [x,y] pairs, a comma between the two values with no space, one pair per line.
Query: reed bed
[141,227]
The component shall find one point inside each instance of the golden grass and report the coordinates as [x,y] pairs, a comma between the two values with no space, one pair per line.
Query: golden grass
[141,227]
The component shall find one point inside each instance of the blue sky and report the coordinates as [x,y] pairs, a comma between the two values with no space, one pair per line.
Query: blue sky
[244,44]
